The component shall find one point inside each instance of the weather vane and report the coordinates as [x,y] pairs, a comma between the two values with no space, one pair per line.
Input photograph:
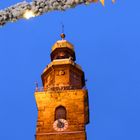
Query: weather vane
[35,8]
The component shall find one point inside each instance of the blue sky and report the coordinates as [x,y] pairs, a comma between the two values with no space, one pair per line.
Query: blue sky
[107,45]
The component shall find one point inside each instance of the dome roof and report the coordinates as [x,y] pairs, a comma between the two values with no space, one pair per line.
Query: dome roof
[62,44]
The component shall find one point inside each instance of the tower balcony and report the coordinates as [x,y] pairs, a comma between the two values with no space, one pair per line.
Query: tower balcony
[58,88]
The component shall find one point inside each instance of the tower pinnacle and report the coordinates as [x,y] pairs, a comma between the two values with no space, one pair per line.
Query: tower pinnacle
[63,36]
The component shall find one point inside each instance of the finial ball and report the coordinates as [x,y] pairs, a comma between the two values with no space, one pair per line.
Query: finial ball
[63,35]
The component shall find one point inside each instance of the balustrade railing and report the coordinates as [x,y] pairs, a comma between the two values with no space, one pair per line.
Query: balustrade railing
[57,88]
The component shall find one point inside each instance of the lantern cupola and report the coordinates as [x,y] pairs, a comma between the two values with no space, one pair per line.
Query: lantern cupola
[62,49]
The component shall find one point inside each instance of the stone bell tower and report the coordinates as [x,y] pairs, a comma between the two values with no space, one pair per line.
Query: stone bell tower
[62,103]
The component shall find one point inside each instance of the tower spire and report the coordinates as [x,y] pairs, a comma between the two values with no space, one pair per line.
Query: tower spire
[62,34]
[63,27]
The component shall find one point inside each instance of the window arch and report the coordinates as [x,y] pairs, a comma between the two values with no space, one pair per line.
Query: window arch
[60,113]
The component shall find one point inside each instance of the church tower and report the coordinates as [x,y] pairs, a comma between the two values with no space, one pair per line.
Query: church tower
[62,103]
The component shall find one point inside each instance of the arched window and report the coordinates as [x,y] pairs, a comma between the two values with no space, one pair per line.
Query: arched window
[60,113]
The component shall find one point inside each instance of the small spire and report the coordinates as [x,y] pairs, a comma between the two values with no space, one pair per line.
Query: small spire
[36,83]
[62,34]
[63,27]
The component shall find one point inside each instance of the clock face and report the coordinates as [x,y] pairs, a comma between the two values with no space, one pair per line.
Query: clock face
[60,125]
